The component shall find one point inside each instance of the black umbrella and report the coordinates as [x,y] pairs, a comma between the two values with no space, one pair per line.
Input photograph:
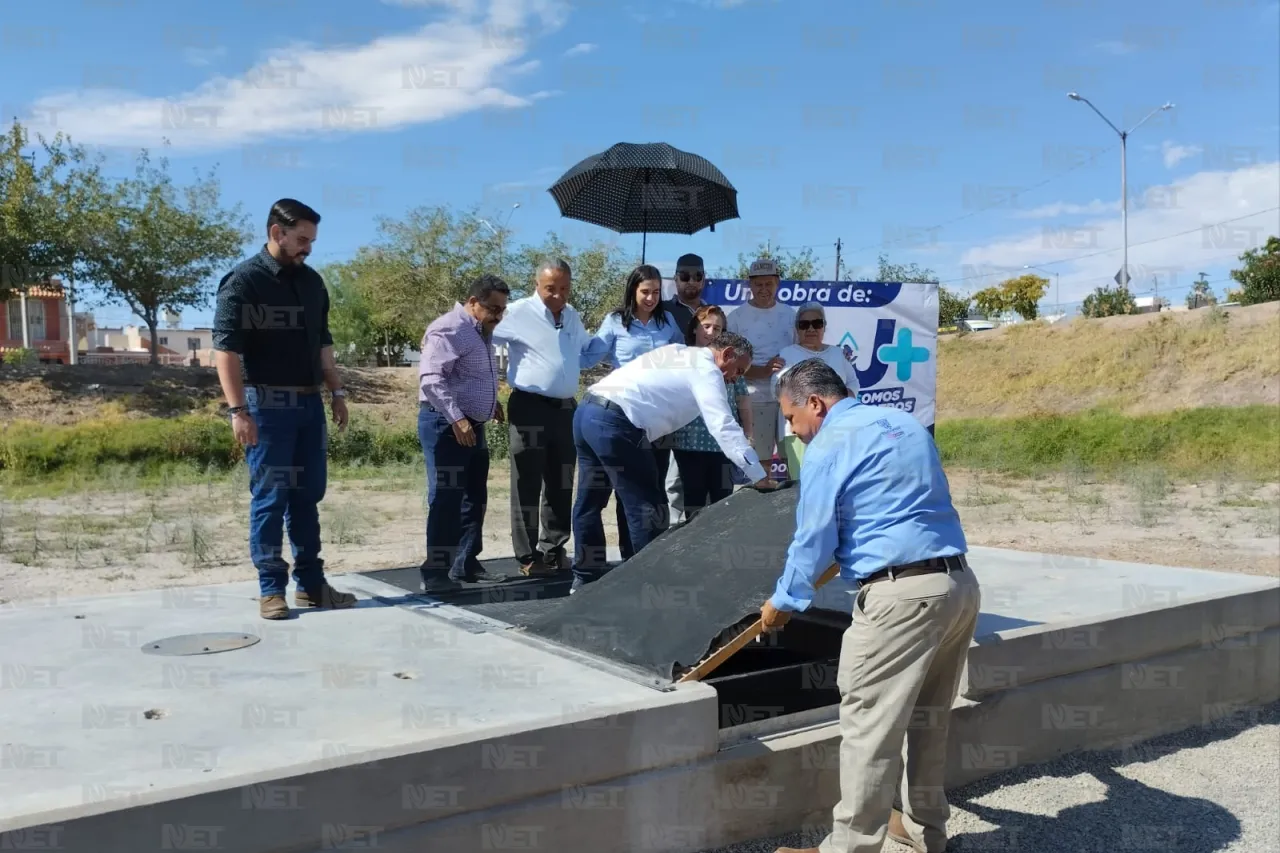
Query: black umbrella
[646,188]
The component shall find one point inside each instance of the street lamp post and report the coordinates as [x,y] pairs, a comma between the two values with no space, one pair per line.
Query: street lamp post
[501,234]
[1057,284]
[1124,186]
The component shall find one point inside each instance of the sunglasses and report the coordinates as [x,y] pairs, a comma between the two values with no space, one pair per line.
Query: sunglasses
[806,325]
[685,277]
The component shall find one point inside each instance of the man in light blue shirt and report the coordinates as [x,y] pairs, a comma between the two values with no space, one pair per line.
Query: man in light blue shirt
[547,348]
[874,499]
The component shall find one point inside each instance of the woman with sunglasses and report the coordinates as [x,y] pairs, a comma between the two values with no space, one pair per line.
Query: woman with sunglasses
[811,328]
[706,474]
[640,325]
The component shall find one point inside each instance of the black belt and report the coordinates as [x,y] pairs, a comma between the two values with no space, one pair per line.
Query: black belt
[562,402]
[603,403]
[931,566]
[287,389]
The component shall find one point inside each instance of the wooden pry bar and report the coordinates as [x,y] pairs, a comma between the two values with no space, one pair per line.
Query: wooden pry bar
[738,643]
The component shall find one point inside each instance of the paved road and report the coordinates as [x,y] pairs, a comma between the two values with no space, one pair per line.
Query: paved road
[1202,791]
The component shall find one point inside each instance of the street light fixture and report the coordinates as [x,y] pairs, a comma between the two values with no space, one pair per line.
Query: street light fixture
[1057,284]
[1124,185]
[502,239]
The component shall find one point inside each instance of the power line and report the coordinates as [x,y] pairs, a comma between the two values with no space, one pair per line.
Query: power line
[1142,243]
[972,213]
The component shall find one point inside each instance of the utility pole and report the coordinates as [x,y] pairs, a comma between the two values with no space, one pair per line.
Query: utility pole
[839,246]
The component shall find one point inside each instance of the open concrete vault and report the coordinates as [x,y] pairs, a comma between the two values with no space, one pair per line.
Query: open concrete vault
[515,717]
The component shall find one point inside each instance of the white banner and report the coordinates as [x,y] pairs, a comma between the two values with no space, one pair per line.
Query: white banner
[889,331]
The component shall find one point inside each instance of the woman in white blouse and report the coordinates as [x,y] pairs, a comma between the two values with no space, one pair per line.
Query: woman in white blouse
[811,328]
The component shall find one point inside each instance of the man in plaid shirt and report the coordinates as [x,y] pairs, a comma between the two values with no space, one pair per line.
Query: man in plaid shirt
[457,396]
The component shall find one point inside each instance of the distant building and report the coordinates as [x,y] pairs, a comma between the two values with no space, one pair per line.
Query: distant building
[133,344]
[44,307]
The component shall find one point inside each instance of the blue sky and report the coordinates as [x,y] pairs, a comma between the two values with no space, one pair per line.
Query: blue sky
[927,129]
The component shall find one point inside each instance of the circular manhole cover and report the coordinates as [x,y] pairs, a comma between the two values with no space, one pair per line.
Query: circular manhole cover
[199,644]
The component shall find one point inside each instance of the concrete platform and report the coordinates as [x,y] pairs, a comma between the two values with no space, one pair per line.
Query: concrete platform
[408,725]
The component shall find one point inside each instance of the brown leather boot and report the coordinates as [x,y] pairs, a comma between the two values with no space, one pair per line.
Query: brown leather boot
[898,833]
[273,607]
[327,598]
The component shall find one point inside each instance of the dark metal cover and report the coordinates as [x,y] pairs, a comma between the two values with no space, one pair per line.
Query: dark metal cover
[199,644]
[667,607]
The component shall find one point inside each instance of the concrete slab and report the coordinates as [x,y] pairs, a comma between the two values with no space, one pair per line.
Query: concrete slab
[429,726]
[1023,588]
[88,718]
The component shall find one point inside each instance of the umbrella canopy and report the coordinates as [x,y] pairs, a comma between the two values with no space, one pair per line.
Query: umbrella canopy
[652,188]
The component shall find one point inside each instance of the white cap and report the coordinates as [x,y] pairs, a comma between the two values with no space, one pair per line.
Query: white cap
[763,266]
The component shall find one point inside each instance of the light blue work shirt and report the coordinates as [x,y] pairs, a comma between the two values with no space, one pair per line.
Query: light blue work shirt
[622,345]
[543,359]
[872,495]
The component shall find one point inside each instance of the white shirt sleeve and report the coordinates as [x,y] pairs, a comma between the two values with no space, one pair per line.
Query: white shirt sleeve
[713,403]
[507,329]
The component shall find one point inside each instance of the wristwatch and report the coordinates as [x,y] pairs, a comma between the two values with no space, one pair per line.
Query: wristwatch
[339,392]
[235,410]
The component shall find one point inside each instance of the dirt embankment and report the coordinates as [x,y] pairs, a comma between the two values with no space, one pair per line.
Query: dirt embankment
[1135,364]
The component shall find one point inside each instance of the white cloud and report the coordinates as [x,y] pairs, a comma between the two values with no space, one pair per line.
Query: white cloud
[1193,206]
[456,65]
[1175,153]
[581,49]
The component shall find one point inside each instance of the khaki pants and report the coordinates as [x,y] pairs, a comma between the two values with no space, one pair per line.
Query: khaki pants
[900,665]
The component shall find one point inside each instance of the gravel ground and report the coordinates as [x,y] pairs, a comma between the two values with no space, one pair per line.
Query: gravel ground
[1200,791]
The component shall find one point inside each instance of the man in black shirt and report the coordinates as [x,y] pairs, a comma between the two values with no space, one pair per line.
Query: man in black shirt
[274,353]
[691,277]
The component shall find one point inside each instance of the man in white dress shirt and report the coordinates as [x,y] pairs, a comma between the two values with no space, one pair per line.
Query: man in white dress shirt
[623,413]
[547,348]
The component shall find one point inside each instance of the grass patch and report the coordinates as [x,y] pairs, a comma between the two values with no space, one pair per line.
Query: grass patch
[149,455]
[1193,444]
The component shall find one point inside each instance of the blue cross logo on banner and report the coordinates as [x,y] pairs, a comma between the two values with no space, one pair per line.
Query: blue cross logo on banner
[903,354]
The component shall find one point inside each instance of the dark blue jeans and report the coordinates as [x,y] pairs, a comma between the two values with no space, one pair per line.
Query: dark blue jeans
[288,472]
[707,477]
[614,456]
[457,492]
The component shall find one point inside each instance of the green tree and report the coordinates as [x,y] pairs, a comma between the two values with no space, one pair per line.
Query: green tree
[357,336]
[913,272]
[1259,278]
[23,259]
[952,307]
[158,247]
[1108,301]
[991,301]
[1023,294]
[792,266]
[1201,294]
[417,269]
